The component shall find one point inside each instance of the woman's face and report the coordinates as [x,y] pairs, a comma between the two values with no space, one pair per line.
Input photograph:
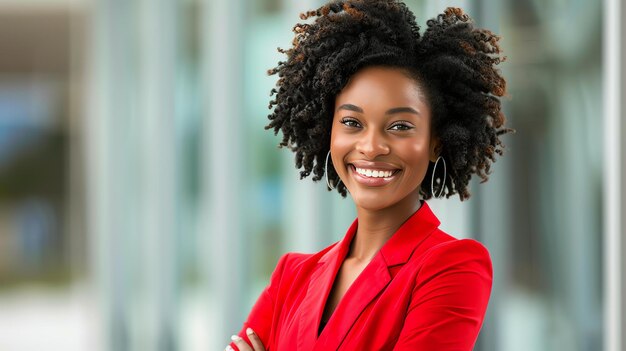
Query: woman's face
[380,141]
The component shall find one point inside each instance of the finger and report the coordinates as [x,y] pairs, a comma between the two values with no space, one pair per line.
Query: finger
[229,348]
[242,345]
[257,344]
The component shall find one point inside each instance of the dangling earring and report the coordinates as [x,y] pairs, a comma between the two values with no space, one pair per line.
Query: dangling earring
[326,172]
[443,182]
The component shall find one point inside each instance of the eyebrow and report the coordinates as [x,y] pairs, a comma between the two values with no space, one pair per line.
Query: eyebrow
[392,111]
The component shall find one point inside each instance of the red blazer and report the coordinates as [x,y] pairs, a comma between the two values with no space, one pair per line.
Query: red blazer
[424,290]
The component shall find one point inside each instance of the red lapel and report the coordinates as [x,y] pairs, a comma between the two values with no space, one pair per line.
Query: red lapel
[374,278]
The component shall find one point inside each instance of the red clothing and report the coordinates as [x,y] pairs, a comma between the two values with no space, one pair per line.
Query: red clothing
[424,290]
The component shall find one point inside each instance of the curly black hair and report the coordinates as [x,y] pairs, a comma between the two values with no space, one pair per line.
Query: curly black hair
[453,61]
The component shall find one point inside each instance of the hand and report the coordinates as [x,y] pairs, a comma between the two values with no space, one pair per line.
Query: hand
[257,345]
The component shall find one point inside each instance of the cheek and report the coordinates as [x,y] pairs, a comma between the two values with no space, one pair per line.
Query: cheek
[417,155]
[418,149]
[339,144]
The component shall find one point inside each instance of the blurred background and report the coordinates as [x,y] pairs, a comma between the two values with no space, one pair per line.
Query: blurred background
[143,206]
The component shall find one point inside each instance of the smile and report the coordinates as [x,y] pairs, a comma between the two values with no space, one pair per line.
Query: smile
[372,177]
[374,173]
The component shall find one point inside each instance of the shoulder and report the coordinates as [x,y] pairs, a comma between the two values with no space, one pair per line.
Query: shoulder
[293,271]
[296,261]
[457,255]
[458,271]
[460,248]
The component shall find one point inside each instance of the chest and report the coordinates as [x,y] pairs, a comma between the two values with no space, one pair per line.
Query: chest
[346,276]
[364,309]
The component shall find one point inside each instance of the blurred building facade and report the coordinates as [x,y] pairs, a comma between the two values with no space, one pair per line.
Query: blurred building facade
[143,206]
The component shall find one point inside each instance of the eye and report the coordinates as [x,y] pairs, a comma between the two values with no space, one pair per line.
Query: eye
[401,126]
[350,122]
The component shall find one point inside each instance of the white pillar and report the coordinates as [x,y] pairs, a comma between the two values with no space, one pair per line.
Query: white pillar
[107,157]
[613,74]
[131,173]
[155,291]
[222,249]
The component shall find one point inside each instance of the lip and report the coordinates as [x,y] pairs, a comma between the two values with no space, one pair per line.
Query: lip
[374,165]
[370,181]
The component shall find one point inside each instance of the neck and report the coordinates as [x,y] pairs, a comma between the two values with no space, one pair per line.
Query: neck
[377,226]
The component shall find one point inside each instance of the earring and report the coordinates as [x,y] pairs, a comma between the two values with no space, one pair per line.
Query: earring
[326,172]
[432,180]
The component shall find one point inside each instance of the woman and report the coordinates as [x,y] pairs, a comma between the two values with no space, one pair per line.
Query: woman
[394,118]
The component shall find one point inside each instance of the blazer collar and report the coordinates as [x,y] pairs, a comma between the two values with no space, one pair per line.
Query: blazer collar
[373,279]
[398,249]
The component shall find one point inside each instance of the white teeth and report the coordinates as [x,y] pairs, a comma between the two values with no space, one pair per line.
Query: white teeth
[374,173]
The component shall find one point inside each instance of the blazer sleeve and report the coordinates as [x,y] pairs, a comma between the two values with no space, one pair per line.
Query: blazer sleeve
[449,299]
[261,316]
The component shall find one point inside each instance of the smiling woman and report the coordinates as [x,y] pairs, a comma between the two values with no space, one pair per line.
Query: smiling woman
[401,117]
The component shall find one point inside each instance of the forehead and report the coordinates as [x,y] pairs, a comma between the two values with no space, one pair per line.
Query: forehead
[381,86]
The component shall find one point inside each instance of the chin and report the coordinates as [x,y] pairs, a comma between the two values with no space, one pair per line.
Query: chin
[377,201]
[371,203]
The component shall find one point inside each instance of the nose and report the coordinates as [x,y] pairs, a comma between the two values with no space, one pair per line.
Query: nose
[372,144]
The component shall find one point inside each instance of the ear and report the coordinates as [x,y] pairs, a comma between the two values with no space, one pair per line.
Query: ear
[434,149]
